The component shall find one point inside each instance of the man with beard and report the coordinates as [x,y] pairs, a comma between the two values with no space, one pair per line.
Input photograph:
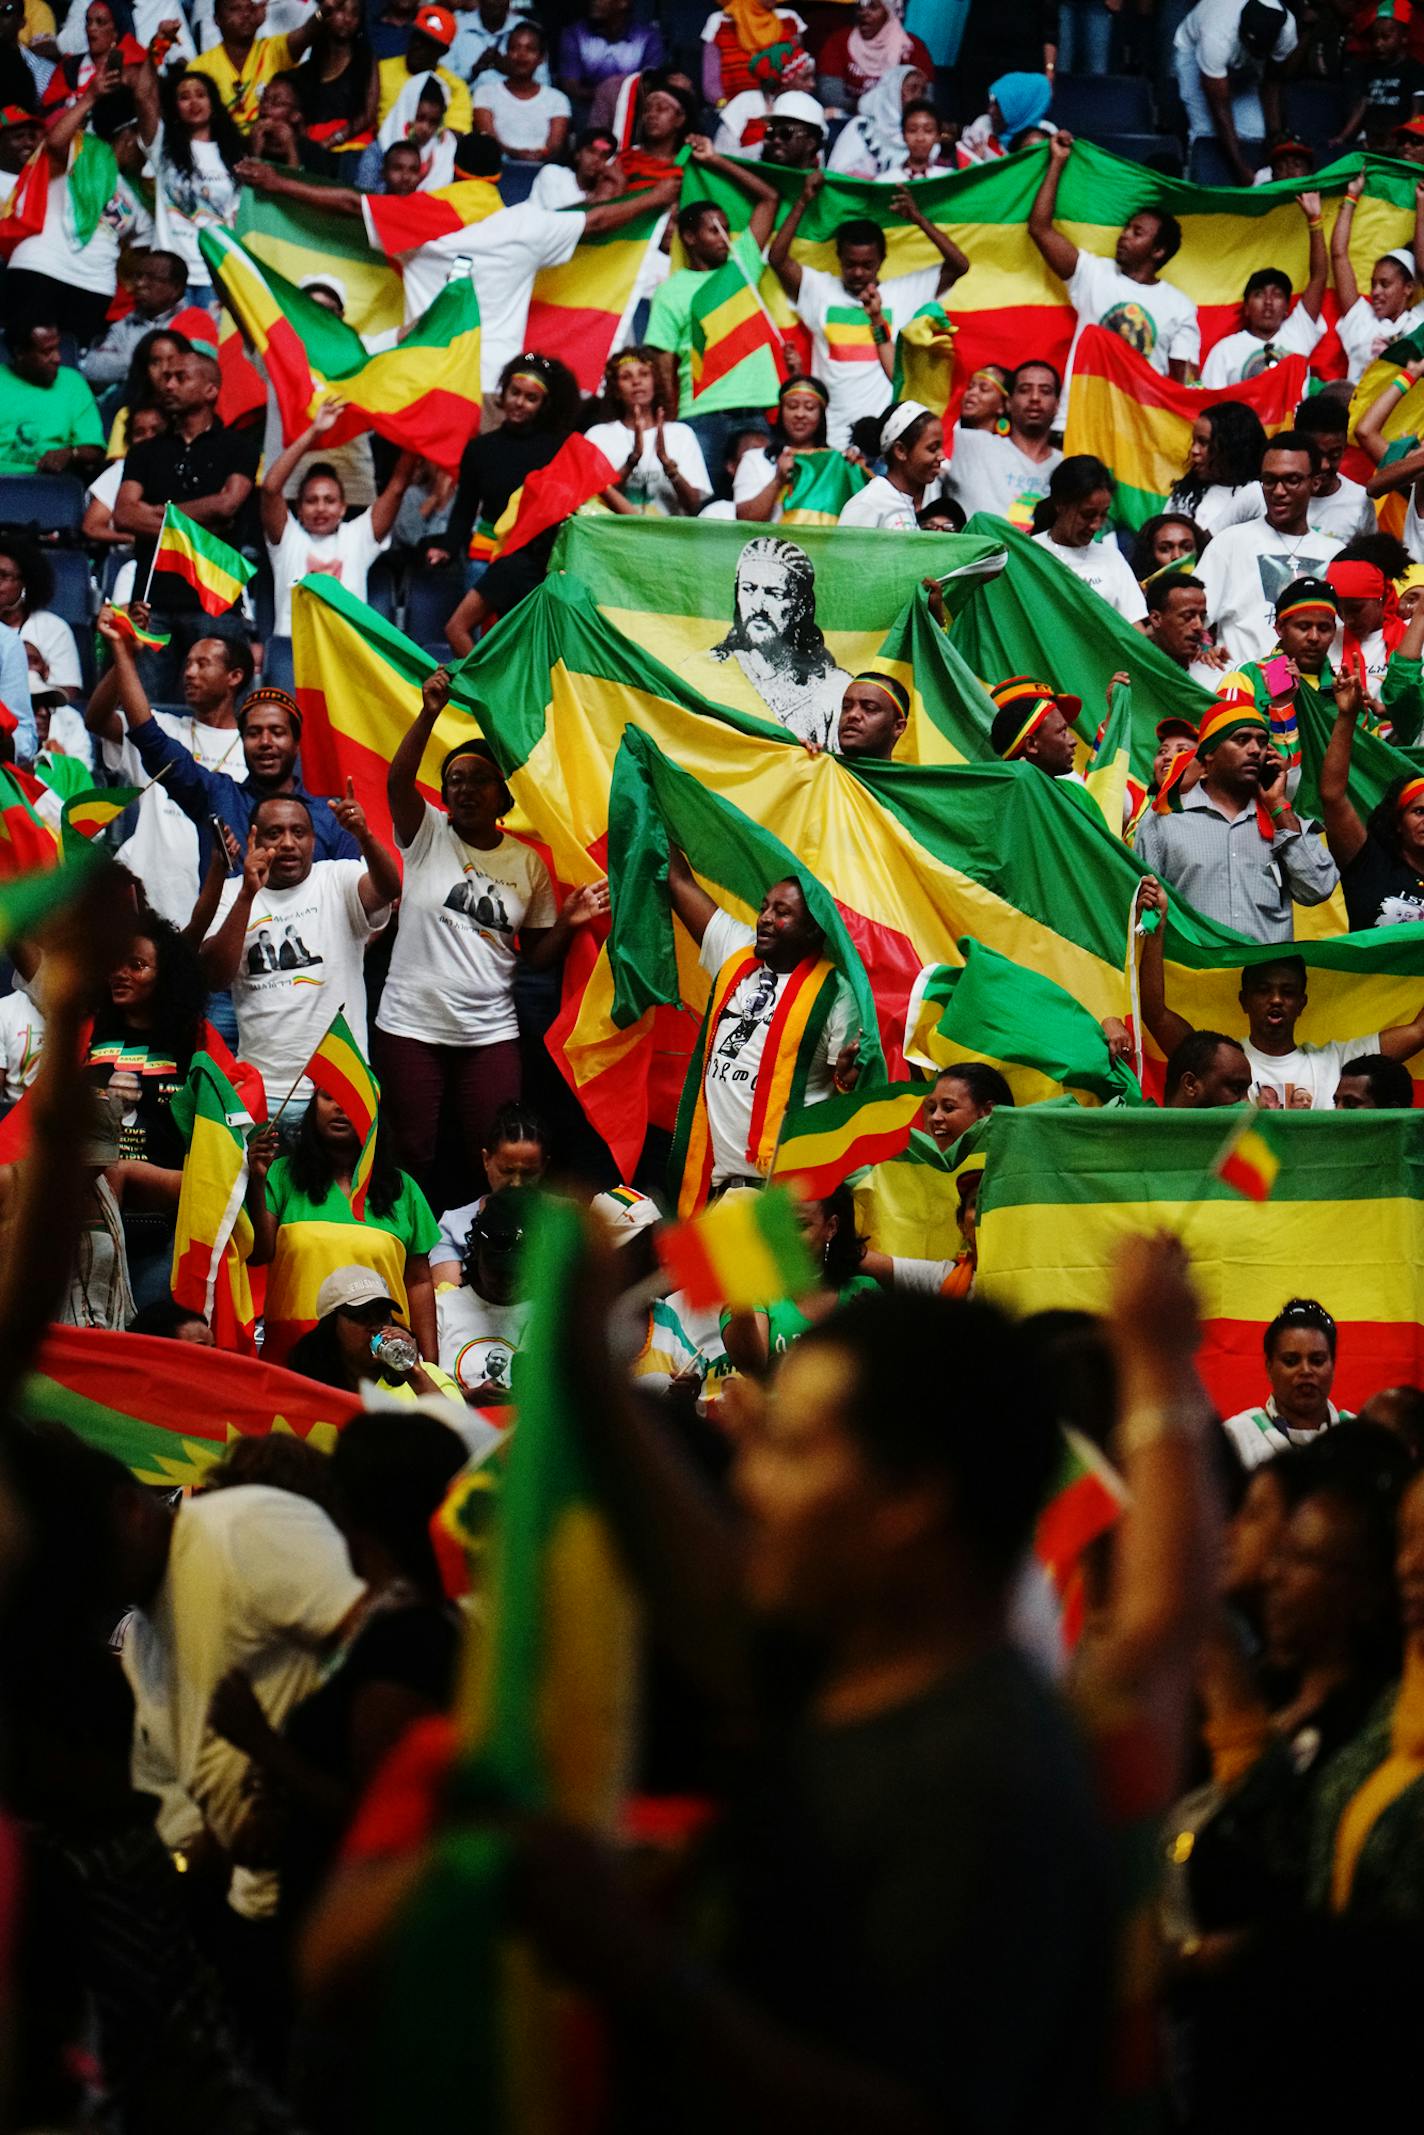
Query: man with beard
[775,641]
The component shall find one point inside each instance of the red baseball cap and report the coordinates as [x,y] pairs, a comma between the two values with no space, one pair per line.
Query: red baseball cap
[436,23]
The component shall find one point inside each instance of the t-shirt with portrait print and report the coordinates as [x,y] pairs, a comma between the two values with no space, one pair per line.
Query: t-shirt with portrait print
[1156,318]
[451,980]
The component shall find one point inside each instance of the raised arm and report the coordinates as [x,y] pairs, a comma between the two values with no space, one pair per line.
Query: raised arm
[407,806]
[224,856]
[1166,1026]
[222,954]
[612,214]
[1313,294]
[1401,1042]
[1370,437]
[263,1149]
[778,258]
[275,480]
[764,198]
[1347,289]
[1059,251]
[689,900]
[266,178]
[1344,832]
[381,884]
[387,505]
[903,202]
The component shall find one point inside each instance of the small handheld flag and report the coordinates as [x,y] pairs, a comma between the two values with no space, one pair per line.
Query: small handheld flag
[137,633]
[339,1067]
[1246,1162]
[211,570]
[744,1251]
[87,813]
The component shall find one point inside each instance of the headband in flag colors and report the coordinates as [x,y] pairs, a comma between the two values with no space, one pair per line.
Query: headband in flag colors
[1041,709]
[1233,715]
[1025,686]
[1310,605]
[1410,794]
[896,691]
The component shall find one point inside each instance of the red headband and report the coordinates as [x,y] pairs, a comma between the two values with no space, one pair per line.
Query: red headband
[1356,580]
[1409,794]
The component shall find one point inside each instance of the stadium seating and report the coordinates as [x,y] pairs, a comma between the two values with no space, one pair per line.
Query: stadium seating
[47,504]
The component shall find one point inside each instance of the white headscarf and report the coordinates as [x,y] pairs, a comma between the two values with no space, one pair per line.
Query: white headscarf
[881,118]
[437,157]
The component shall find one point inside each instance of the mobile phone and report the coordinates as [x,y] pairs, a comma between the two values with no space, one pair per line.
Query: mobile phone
[1277,676]
[219,830]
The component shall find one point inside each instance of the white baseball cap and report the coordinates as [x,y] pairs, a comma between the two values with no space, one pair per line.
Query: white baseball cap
[624,1212]
[333,282]
[796,104]
[348,1289]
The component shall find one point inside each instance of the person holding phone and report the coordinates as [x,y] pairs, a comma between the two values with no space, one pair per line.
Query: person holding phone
[1237,850]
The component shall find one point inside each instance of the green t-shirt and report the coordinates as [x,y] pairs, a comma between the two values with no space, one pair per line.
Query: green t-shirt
[752,383]
[38,419]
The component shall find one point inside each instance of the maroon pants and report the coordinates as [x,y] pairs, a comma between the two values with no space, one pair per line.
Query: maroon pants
[424,1086]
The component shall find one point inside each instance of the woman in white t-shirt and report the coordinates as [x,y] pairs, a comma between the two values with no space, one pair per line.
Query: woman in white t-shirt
[1367,324]
[1068,523]
[194,149]
[661,473]
[26,590]
[764,476]
[529,120]
[315,535]
[474,902]
[1218,487]
[912,445]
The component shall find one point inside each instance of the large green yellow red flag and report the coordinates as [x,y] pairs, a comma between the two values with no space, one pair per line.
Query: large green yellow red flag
[1141,423]
[169,1409]
[728,324]
[1344,1222]
[213,1235]
[423,394]
[1011,305]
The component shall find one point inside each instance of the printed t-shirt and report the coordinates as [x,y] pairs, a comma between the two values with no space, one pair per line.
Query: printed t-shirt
[752,383]
[736,1045]
[988,473]
[186,202]
[315,1238]
[21,1041]
[36,419]
[1156,318]
[1310,1067]
[846,358]
[346,555]
[479,1340]
[1380,891]
[648,488]
[452,969]
[301,964]
[1243,355]
[1245,570]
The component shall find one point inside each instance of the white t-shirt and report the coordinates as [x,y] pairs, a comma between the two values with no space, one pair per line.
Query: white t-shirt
[478,1340]
[93,267]
[1243,355]
[1209,36]
[1363,335]
[754,470]
[855,380]
[104,488]
[188,201]
[1156,318]
[21,1037]
[1310,1067]
[988,473]
[257,1579]
[1101,565]
[880,504]
[648,488]
[301,964]
[1258,1434]
[455,1230]
[53,640]
[451,980]
[521,123]
[1373,651]
[347,555]
[557,187]
[147,15]
[1222,505]
[506,251]
[163,850]
[1347,513]
[1245,570]
[736,1046]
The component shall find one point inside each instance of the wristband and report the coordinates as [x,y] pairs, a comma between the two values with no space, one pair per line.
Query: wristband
[1402,382]
[1315,222]
[880,334]
[1278,814]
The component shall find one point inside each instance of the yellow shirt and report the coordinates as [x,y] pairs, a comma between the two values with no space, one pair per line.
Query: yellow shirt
[242,93]
[459,114]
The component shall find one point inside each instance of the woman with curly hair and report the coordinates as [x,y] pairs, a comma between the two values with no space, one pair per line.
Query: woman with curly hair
[194,148]
[1219,485]
[305,1226]
[538,400]
[142,1047]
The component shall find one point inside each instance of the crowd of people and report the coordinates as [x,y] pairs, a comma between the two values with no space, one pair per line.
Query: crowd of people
[977,1837]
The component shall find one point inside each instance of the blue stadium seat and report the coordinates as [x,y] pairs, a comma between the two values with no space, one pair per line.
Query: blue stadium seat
[1159,151]
[73,587]
[1106,103]
[516,183]
[1206,165]
[383,587]
[431,600]
[277,667]
[52,503]
[1317,109]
